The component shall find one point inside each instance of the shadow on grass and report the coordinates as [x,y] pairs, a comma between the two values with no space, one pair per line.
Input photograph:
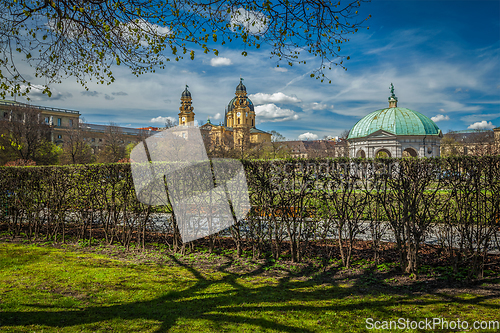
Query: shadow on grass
[233,306]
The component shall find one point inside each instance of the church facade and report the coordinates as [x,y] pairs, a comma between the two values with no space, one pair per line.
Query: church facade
[238,129]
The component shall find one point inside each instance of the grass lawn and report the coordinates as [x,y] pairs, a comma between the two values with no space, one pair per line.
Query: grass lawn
[47,289]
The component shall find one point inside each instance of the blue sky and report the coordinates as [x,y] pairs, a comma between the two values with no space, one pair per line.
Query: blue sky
[442,57]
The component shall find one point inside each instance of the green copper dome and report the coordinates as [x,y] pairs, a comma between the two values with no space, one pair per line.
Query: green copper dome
[398,121]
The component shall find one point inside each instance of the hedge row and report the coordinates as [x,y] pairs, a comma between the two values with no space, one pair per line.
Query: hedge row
[294,203]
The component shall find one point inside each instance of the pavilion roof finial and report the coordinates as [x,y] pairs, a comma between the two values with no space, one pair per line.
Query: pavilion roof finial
[392,90]
[393,100]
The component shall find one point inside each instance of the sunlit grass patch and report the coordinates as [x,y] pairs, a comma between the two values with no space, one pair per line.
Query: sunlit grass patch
[49,289]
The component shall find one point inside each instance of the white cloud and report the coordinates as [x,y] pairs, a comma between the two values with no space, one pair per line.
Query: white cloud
[308,136]
[36,93]
[280,69]
[482,125]
[279,97]
[162,120]
[440,117]
[273,113]
[89,93]
[253,22]
[154,27]
[220,61]
[318,106]
[404,39]
[135,31]
[217,116]
[459,107]
[478,117]
[67,28]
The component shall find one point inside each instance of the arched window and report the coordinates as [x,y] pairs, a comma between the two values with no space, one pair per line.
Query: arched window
[361,153]
[410,152]
[252,122]
[383,153]
[238,121]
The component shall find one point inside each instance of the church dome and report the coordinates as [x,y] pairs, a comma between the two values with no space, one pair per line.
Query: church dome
[186,93]
[230,106]
[240,88]
[395,120]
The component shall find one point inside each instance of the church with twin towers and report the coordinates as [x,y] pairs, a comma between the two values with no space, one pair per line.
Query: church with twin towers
[238,129]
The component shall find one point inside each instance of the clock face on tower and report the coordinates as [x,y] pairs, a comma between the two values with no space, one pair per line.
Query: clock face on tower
[183,118]
[238,114]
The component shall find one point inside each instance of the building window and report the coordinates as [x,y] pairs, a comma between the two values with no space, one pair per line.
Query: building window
[46,120]
[252,122]
[238,121]
[59,136]
[59,121]
[5,114]
[71,123]
[100,140]
[93,139]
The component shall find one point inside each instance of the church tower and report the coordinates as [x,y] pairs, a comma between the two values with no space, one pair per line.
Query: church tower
[186,114]
[240,113]
[238,130]
[241,116]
